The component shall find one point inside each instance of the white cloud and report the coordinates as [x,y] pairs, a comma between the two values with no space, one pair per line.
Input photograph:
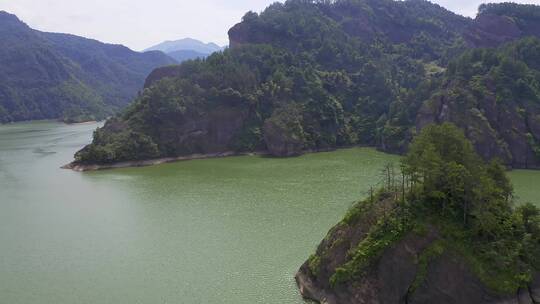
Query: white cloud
[142,23]
[470,7]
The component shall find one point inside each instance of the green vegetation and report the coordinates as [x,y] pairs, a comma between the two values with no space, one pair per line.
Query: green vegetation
[386,232]
[59,76]
[445,187]
[521,11]
[341,83]
[435,250]
[362,72]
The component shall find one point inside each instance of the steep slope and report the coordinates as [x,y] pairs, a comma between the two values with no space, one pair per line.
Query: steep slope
[494,95]
[306,75]
[49,75]
[442,232]
[424,29]
[500,23]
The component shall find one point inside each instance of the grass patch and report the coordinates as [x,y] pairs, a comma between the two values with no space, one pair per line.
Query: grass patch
[429,254]
[385,233]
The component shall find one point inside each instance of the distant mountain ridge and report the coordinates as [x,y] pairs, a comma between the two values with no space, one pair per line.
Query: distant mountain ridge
[185,44]
[61,76]
[183,55]
[186,49]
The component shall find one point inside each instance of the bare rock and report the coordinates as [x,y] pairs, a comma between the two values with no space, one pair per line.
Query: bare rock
[283,133]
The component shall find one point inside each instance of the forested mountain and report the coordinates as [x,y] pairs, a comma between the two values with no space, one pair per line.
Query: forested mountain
[186,49]
[503,22]
[184,55]
[494,95]
[61,76]
[312,75]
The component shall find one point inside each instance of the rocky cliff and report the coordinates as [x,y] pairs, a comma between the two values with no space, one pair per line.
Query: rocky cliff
[445,231]
[492,95]
[497,24]
[415,269]
[365,72]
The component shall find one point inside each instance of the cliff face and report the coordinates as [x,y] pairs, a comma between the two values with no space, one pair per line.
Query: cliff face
[401,275]
[496,130]
[362,72]
[204,134]
[491,94]
[497,24]
[490,30]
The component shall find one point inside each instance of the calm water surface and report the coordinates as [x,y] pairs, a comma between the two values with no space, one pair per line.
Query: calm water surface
[229,231]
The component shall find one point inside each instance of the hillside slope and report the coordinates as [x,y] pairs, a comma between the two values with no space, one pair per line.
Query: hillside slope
[60,76]
[310,75]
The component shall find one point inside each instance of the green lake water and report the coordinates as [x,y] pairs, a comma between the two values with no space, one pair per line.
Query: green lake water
[227,231]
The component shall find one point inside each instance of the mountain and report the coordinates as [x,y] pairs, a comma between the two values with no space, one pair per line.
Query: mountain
[503,22]
[186,49]
[184,55]
[442,231]
[61,76]
[316,75]
[494,96]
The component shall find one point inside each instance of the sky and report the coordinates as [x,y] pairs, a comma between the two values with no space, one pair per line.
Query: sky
[140,24]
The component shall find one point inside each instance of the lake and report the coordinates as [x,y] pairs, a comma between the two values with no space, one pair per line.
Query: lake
[231,230]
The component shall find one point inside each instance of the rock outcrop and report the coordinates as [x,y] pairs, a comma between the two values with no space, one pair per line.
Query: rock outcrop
[497,24]
[283,133]
[396,276]
[210,133]
[497,130]
[535,289]
[357,74]
[490,30]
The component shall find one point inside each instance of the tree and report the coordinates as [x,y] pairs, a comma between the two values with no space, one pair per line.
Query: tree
[452,179]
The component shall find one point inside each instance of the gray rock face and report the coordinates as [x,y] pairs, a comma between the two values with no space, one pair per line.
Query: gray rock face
[496,130]
[534,124]
[392,279]
[279,144]
[213,132]
[489,30]
[449,280]
[283,133]
[524,297]
[535,288]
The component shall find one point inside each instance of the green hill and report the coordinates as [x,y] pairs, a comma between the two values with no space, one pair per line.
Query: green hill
[314,75]
[60,76]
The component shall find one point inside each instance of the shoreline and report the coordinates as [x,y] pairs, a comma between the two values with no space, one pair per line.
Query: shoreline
[165,160]
[157,161]
[90,122]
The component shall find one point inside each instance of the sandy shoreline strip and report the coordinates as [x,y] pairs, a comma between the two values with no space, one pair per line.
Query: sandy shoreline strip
[151,162]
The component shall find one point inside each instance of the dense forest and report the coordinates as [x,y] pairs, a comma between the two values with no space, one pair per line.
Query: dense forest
[60,76]
[313,75]
[446,213]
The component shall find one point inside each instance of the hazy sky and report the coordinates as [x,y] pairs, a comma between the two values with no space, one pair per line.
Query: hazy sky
[139,24]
